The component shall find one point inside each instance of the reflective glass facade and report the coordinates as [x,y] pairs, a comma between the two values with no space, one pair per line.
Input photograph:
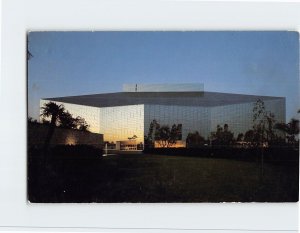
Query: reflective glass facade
[90,114]
[191,118]
[118,123]
[239,117]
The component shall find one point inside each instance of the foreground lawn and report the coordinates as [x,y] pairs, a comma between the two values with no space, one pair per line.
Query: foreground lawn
[159,178]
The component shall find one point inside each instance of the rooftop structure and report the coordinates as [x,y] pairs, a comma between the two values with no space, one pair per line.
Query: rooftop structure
[174,87]
[190,98]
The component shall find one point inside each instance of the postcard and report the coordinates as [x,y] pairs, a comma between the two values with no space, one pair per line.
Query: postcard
[163,117]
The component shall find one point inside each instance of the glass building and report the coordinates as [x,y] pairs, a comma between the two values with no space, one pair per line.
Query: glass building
[123,115]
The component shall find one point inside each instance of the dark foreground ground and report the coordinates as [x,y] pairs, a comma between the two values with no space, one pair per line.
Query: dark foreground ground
[159,178]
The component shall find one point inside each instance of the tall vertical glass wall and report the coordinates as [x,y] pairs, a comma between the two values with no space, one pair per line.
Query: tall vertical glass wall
[239,117]
[122,122]
[192,118]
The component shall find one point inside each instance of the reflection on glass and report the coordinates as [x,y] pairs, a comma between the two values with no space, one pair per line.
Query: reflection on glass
[129,122]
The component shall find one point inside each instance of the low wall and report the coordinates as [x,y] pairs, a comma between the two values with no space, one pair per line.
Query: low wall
[37,135]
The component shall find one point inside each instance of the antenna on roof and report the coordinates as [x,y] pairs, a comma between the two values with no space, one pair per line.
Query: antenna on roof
[135,87]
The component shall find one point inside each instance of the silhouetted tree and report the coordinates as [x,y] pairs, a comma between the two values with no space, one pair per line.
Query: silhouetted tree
[150,138]
[54,112]
[175,134]
[81,124]
[270,119]
[250,136]
[240,137]
[59,116]
[291,129]
[195,139]
[31,120]
[67,121]
[227,137]
[263,123]
[222,136]
[163,135]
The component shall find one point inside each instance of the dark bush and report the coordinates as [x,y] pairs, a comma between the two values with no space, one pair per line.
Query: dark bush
[67,152]
[75,151]
[271,154]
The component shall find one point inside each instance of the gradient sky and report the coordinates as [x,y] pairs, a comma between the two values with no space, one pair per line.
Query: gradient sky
[76,63]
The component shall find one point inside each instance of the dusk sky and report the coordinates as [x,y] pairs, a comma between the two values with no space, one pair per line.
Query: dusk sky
[77,63]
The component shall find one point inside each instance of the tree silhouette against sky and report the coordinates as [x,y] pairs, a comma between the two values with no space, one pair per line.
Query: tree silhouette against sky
[55,112]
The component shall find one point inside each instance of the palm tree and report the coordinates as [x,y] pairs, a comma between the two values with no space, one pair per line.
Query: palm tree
[54,111]
[67,121]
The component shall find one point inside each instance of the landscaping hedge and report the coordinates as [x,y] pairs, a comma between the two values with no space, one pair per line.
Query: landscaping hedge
[271,154]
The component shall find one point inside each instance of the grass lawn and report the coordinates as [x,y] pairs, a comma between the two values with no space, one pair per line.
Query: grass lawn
[161,178]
